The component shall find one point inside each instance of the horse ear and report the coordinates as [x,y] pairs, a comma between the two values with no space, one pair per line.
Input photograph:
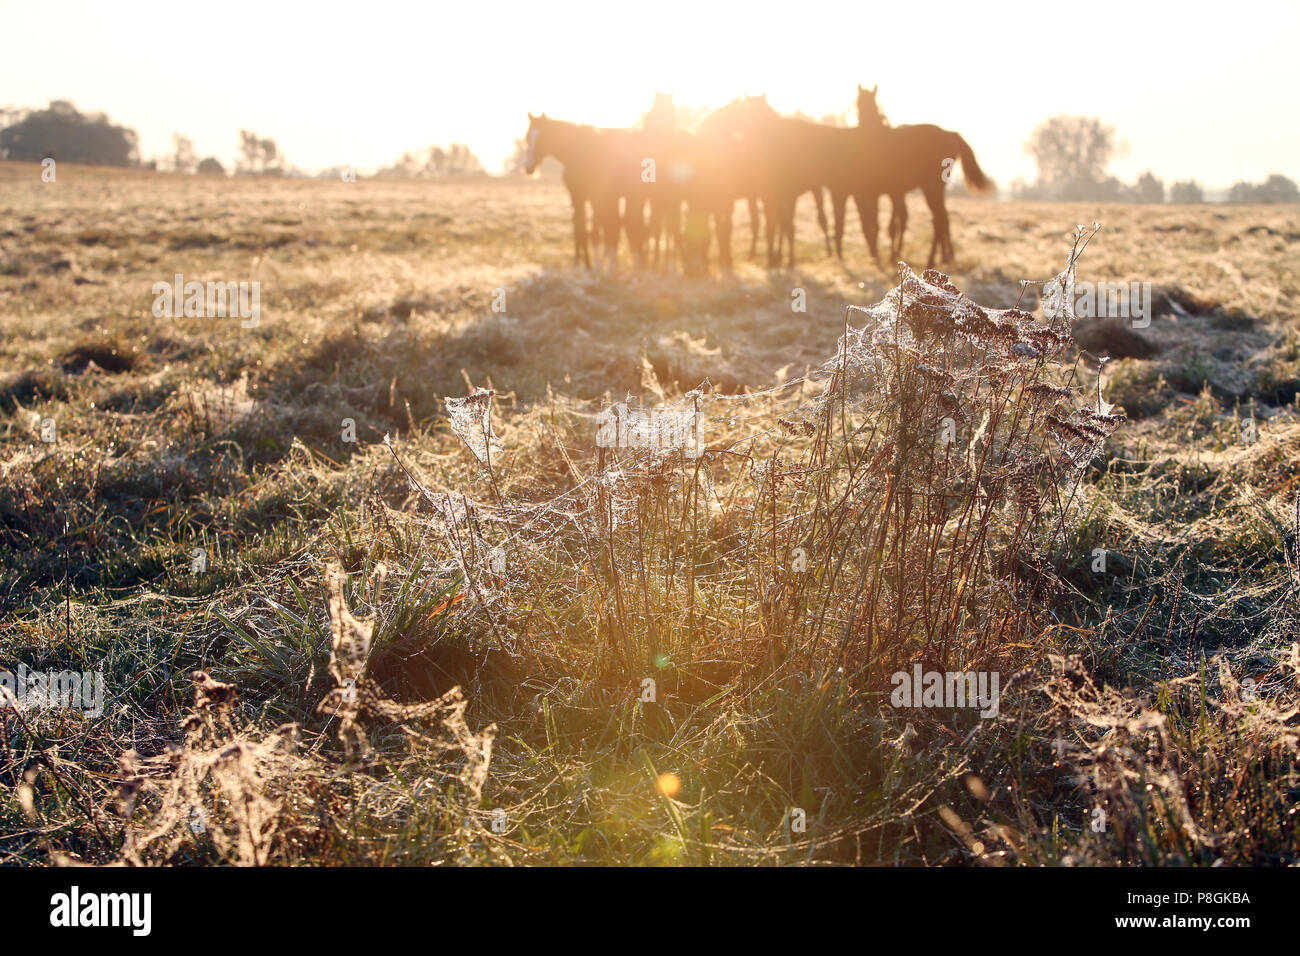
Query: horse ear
[532,118]
[861,88]
[874,88]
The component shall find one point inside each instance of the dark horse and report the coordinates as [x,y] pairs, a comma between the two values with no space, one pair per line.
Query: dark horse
[664,232]
[723,130]
[898,159]
[667,169]
[783,158]
[599,168]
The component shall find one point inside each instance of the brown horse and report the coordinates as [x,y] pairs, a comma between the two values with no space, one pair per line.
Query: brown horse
[667,169]
[722,129]
[902,158]
[601,167]
[571,145]
[785,158]
[665,212]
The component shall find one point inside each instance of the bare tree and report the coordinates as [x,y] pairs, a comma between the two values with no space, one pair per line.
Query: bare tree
[183,158]
[1186,191]
[1149,188]
[258,156]
[1073,154]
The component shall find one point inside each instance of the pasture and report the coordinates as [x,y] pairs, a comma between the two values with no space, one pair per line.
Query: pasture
[551,581]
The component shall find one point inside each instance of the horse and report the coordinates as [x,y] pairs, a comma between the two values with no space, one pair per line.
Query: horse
[902,158]
[787,157]
[665,214]
[701,173]
[599,167]
[604,166]
[722,129]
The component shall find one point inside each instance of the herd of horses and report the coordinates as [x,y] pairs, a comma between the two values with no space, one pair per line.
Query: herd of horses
[686,181]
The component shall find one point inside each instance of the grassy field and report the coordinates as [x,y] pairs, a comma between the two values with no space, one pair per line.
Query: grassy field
[396,650]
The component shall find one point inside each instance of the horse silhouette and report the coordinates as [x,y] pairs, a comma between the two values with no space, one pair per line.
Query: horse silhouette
[745,150]
[571,144]
[901,158]
[664,232]
[665,168]
[601,167]
[787,157]
[722,128]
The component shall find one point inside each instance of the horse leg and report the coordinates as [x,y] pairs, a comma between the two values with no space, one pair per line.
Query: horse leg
[789,211]
[868,214]
[753,226]
[673,227]
[770,216]
[652,236]
[634,226]
[821,220]
[614,230]
[609,226]
[838,201]
[934,199]
[947,229]
[897,225]
[580,253]
[722,226]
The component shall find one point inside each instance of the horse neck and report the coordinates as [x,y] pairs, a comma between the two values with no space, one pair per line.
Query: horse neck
[569,141]
[660,120]
[877,127]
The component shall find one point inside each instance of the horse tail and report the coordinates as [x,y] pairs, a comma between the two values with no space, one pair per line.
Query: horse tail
[975,178]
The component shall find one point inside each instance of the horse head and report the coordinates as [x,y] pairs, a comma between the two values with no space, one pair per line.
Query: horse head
[869,113]
[538,141]
[758,108]
[663,114]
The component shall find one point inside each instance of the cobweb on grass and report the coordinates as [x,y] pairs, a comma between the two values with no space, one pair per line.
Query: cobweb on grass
[471,420]
[925,354]
[227,787]
[220,785]
[356,696]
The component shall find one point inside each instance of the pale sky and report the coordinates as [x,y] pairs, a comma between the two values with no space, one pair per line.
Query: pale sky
[1206,92]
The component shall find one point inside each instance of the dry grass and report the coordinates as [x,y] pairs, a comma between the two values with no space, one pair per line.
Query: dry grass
[768,587]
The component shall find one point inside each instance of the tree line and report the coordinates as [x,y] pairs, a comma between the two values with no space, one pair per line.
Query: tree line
[1072,155]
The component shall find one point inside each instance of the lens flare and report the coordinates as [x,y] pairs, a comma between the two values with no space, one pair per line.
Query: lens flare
[669,784]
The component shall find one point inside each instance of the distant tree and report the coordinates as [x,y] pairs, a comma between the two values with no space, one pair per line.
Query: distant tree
[1277,188]
[211,166]
[258,156]
[439,162]
[63,132]
[1149,188]
[272,161]
[183,158]
[1073,154]
[458,160]
[1186,191]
